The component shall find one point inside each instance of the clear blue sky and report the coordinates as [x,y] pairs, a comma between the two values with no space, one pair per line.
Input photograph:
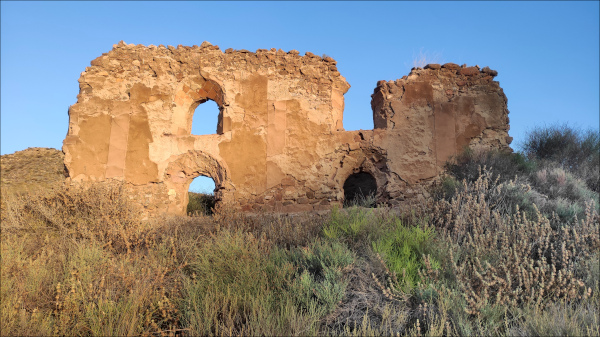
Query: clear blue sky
[546,53]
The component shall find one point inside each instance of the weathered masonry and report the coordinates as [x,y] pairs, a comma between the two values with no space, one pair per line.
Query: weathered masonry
[279,143]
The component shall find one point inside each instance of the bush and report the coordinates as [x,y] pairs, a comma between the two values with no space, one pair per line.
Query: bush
[557,173]
[574,150]
[100,211]
[488,267]
[502,257]
[319,274]
[505,165]
[200,204]
[561,193]
[404,250]
[349,225]
[559,319]
[228,284]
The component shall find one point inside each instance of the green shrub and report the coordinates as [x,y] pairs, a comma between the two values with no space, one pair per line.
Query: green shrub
[563,194]
[232,282]
[446,189]
[401,247]
[348,224]
[506,165]
[403,250]
[200,204]
[574,150]
[241,284]
[319,274]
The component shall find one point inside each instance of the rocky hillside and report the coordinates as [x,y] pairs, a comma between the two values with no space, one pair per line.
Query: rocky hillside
[32,169]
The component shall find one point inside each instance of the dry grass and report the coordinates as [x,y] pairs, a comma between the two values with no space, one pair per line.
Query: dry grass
[79,262]
[483,260]
[32,169]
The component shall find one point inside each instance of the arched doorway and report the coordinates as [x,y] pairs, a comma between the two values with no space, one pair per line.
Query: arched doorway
[360,189]
[189,166]
[201,196]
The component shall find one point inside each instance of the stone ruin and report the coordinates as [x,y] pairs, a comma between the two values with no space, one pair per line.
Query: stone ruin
[280,143]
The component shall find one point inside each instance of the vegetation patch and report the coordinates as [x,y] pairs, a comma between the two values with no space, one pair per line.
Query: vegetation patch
[32,169]
[200,204]
[508,245]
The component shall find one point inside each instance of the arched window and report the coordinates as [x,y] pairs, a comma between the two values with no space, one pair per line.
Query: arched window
[360,190]
[208,114]
[201,196]
[207,119]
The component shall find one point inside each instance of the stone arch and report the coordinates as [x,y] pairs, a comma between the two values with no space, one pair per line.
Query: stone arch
[182,170]
[359,186]
[370,161]
[202,90]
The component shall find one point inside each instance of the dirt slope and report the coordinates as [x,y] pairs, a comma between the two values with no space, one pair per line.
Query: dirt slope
[32,169]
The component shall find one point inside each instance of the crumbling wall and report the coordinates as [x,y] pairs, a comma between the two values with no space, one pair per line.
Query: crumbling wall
[423,119]
[279,143]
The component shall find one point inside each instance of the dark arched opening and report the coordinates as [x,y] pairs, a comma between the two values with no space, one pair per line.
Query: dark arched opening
[201,196]
[360,189]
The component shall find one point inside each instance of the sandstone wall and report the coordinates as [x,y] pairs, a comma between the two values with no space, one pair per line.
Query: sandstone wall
[279,143]
[423,119]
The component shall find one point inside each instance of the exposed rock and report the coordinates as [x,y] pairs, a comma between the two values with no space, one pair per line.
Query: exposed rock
[280,143]
[468,71]
[329,59]
[451,66]
[433,66]
[489,71]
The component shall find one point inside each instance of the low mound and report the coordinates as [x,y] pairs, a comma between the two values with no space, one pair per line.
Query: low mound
[32,169]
